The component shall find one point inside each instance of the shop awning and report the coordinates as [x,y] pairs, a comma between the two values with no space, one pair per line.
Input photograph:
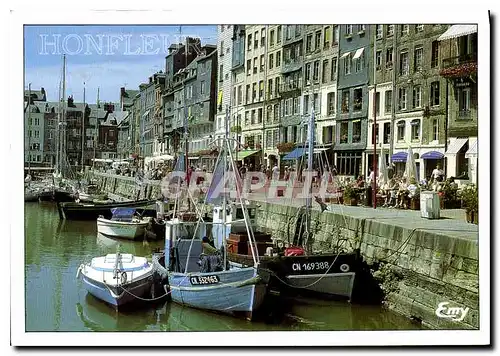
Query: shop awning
[244,154]
[345,55]
[432,155]
[295,154]
[399,157]
[472,152]
[458,31]
[455,145]
[359,52]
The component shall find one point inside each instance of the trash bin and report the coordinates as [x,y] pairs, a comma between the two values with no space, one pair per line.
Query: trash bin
[429,205]
[368,196]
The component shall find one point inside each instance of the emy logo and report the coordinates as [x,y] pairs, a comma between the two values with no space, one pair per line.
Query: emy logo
[453,313]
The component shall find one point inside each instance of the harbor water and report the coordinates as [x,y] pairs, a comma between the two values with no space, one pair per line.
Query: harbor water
[57,301]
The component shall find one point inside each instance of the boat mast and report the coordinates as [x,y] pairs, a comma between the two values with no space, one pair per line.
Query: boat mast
[83,125]
[186,142]
[62,146]
[310,151]
[96,128]
[58,132]
[29,129]
[224,203]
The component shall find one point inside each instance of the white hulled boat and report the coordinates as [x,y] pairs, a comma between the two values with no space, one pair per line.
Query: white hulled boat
[123,224]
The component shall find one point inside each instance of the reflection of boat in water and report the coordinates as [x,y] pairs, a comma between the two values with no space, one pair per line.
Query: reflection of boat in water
[96,316]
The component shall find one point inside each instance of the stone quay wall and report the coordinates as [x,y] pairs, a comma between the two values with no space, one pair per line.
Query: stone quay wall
[417,263]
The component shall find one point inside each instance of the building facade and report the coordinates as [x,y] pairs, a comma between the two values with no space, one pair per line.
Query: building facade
[238,84]
[352,103]
[225,89]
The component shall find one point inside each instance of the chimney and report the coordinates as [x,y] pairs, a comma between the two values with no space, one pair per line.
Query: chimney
[122,92]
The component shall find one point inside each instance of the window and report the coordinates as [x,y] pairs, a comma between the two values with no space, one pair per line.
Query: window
[388,57]
[376,133]
[348,29]
[307,73]
[349,163]
[463,104]
[419,55]
[37,133]
[263,37]
[260,116]
[316,71]
[37,121]
[261,90]
[271,61]
[415,130]
[435,93]
[278,35]
[249,66]
[328,134]
[296,105]
[277,85]
[335,34]
[247,100]
[221,71]
[378,59]
[334,69]
[390,30]
[402,98]
[356,131]
[276,112]
[309,40]
[379,31]
[270,88]
[316,103]
[253,117]
[271,38]
[435,130]
[417,96]
[278,58]
[330,98]
[255,65]
[358,99]
[240,94]
[401,130]
[326,37]
[361,28]
[403,64]
[254,92]
[419,28]
[306,104]
[434,54]
[388,101]
[387,132]
[324,71]
[377,103]
[288,107]
[317,40]
[202,87]
[345,101]
[347,64]
[297,30]
[405,30]
[288,33]
[344,133]
[261,62]
[256,40]
[221,48]
[249,42]
[359,63]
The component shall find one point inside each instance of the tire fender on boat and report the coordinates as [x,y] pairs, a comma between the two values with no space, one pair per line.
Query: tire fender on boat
[344,267]
[78,271]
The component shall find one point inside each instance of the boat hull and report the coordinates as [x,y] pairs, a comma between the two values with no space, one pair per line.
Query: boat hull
[116,296]
[80,211]
[325,275]
[239,292]
[120,229]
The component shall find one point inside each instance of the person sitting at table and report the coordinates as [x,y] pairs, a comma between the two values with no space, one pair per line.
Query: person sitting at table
[413,191]
[389,191]
[402,193]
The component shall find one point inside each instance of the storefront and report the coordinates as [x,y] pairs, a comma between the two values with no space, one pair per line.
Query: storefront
[431,160]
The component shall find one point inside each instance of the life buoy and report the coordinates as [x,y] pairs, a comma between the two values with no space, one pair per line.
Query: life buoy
[344,267]
[123,278]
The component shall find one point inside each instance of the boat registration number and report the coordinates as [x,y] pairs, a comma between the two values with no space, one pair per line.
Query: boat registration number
[199,280]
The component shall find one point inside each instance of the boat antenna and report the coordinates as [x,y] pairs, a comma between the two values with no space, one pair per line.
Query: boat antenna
[310,151]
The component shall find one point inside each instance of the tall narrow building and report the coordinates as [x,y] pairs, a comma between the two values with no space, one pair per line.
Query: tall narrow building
[225,99]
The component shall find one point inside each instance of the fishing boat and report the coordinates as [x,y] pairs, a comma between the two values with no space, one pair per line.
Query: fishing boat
[210,281]
[295,269]
[123,224]
[90,194]
[117,279]
[91,211]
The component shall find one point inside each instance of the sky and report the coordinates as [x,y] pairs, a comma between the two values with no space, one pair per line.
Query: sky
[108,57]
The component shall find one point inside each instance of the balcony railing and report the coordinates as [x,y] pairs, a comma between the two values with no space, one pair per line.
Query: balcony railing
[464,58]
[464,114]
[287,87]
[291,65]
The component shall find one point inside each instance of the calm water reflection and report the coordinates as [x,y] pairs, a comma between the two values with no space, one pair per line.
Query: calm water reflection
[57,301]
